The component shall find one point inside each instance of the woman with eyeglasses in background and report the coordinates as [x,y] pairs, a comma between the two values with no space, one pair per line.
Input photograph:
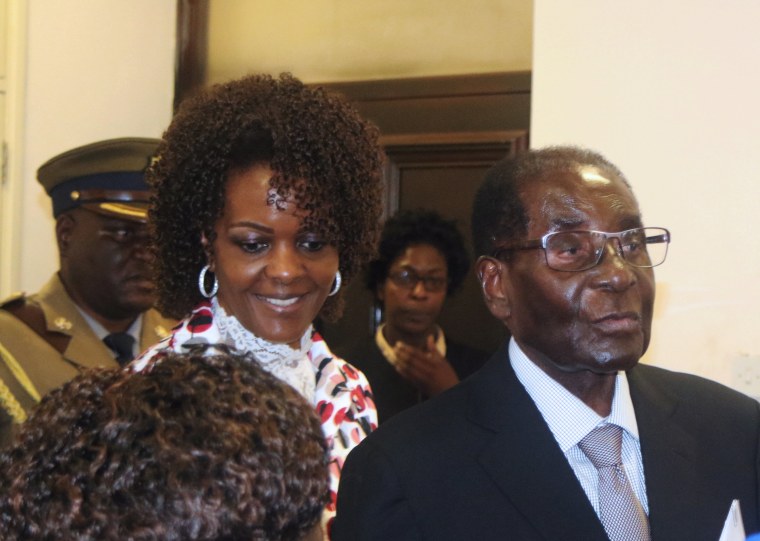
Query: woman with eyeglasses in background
[422,260]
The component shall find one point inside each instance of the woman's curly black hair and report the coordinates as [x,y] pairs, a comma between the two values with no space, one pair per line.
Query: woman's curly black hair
[323,153]
[409,227]
[200,447]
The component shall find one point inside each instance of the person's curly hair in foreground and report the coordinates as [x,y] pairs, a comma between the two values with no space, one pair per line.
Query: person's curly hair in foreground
[198,448]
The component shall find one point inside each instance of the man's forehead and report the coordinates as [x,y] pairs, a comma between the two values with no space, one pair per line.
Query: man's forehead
[563,199]
[593,175]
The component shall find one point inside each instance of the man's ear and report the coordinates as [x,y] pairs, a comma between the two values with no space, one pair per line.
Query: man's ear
[64,229]
[493,277]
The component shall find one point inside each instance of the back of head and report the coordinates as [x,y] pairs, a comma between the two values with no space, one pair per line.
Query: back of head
[198,448]
[498,214]
[414,227]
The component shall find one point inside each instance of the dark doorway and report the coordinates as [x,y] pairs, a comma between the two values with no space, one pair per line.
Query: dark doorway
[440,135]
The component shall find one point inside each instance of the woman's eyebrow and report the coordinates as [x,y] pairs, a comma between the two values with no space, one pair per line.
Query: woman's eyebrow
[252,225]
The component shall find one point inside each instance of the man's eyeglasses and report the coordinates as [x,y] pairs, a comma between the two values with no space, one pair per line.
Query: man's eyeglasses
[408,279]
[581,250]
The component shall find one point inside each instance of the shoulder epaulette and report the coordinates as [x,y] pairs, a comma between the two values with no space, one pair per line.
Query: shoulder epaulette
[16,298]
[33,317]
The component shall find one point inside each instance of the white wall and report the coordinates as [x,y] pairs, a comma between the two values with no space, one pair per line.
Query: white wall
[670,92]
[94,70]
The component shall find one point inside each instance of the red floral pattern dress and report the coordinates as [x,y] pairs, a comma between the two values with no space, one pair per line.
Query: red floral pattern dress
[343,397]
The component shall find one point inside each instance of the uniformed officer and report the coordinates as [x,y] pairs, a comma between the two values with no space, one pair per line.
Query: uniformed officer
[97,309]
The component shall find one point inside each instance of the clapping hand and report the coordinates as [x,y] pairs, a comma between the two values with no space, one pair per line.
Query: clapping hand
[425,367]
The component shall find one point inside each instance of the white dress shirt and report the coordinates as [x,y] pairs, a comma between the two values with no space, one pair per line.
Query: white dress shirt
[570,420]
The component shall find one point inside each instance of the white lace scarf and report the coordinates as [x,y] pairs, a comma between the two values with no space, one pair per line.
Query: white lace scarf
[290,365]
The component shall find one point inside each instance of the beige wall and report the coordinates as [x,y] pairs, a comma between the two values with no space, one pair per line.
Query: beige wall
[669,91]
[87,70]
[340,40]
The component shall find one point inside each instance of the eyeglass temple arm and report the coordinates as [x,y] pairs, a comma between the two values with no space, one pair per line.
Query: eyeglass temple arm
[656,239]
[527,245]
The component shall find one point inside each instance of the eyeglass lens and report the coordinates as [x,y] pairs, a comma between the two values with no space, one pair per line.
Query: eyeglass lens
[581,250]
[408,279]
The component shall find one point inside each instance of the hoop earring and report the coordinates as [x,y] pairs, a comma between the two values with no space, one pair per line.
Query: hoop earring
[202,284]
[336,284]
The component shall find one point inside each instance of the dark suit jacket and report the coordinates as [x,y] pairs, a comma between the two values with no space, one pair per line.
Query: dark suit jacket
[393,393]
[479,462]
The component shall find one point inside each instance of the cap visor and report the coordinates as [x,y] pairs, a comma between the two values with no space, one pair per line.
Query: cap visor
[124,211]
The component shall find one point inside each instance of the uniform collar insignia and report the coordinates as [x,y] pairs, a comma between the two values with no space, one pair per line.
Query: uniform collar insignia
[62,324]
[160,331]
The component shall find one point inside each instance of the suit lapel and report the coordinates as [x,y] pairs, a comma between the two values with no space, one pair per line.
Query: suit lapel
[534,474]
[673,483]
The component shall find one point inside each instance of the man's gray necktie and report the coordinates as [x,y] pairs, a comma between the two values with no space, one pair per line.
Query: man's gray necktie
[621,512]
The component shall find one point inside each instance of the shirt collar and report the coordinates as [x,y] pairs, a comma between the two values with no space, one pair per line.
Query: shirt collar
[568,418]
[387,350]
[101,332]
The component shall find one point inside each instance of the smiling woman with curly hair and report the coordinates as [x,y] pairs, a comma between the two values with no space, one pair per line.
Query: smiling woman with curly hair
[200,447]
[267,197]
[323,157]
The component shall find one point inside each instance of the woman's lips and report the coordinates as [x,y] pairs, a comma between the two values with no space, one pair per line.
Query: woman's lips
[281,303]
[417,317]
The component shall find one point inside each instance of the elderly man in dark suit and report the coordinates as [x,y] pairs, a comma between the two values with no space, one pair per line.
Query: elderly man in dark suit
[96,310]
[563,434]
